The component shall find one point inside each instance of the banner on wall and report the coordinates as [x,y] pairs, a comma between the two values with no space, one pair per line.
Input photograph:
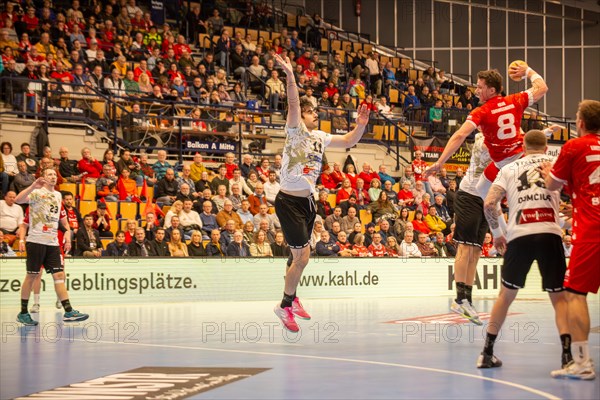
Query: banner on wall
[432,148]
[134,281]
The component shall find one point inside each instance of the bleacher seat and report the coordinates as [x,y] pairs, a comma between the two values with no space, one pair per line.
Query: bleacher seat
[332,199]
[68,187]
[114,226]
[87,206]
[89,192]
[365,217]
[128,209]
[113,208]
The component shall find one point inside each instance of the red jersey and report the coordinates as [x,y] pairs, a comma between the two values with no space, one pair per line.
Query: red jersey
[418,166]
[578,166]
[377,250]
[499,119]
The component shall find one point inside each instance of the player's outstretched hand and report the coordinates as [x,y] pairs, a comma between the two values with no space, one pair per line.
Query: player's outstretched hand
[500,244]
[363,115]
[431,170]
[39,183]
[285,64]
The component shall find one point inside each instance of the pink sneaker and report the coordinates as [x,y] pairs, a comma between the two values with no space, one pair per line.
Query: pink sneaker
[287,318]
[298,310]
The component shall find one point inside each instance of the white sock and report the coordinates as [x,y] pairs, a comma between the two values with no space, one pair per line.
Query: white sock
[580,351]
[36,298]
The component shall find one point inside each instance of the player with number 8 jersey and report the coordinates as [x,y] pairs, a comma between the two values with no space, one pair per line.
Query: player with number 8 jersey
[499,119]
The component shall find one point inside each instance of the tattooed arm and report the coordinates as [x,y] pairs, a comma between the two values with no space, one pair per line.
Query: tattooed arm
[493,213]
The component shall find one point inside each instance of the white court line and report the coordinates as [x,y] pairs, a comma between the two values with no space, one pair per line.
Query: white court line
[350,360]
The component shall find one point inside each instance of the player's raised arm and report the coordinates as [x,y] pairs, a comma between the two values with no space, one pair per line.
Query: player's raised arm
[293,98]
[452,146]
[23,196]
[351,138]
[538,86]
[493,214]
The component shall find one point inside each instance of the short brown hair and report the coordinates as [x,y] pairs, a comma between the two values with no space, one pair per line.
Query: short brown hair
[589,113]
[535,140]
[492,79]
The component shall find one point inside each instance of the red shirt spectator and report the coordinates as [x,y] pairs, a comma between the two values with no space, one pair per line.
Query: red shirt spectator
[91,166]
[377,250]
[368,175]
[418,165]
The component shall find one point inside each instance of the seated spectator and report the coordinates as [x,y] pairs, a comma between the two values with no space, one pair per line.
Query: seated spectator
[418,192]
[68,168]
[423,206]
[426,247]
[209,220]
[434,222]
[374,189]
[101,220]
[126,162]
[227,214]
[88,239]
[161,166]
[244,212]
[436,185]
[359,246]
[174,211]
[401,223]
[385,230]
[158,246]
[260,246]
[165,191]
[367,175]
[23,179]
[220,179]
[347,223]
[326,247]
[392,247]
[419,223]
[89,166]
[488,249]
[237,179]
[271,187]
[140,247]
[177,247]
[362,196]
[382,208]
[323,207]
[406,197]
[213,248]
[344,245]
[279,247]
[567,246]
[345,191]
[376,248]
[444,249]
[189,219]
[248,232]
[130,228]
[238,246]
[126,187]
[175,226]
[117,248]
[407,247]
[29,159]
[252,181]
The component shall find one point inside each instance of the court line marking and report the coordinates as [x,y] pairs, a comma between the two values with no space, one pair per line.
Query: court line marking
[350,360]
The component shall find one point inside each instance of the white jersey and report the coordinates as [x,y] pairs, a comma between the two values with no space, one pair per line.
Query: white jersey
[302,158]
[45,212]
[480,158]
[532,208]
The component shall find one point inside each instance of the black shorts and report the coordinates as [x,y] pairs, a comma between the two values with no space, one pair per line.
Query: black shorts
[39,255]
[471,225]
[546,249]
[297,217]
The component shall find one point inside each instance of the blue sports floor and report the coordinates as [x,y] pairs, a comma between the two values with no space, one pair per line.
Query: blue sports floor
[352,349]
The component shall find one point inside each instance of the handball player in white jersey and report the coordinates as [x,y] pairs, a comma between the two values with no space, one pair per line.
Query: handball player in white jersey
[534,234]
[295,203]
[45,212]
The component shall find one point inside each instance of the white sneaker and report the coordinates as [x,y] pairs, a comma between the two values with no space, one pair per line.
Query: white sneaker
[58,304]
[584,371]
[35,309]
[465,309]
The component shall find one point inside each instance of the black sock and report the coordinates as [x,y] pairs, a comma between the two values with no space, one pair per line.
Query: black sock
[468,293]
[565,341]
[489,344]
[66,305]
[460,291]
[24,303]
[287,300]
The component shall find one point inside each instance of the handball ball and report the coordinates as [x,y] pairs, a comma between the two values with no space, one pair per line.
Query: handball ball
[515,64]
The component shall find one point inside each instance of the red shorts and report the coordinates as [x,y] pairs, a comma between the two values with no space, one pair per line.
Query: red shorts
[583,272]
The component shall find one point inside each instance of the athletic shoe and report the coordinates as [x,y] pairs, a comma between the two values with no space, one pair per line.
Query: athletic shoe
[58,304]
[574,370]
[287,318]
[35,309]
[486,361]
[26,319]
[74,315]
[465,309]
[298,310]
[565,360]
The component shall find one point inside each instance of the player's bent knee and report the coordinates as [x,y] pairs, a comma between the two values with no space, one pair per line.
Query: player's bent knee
[59,277]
